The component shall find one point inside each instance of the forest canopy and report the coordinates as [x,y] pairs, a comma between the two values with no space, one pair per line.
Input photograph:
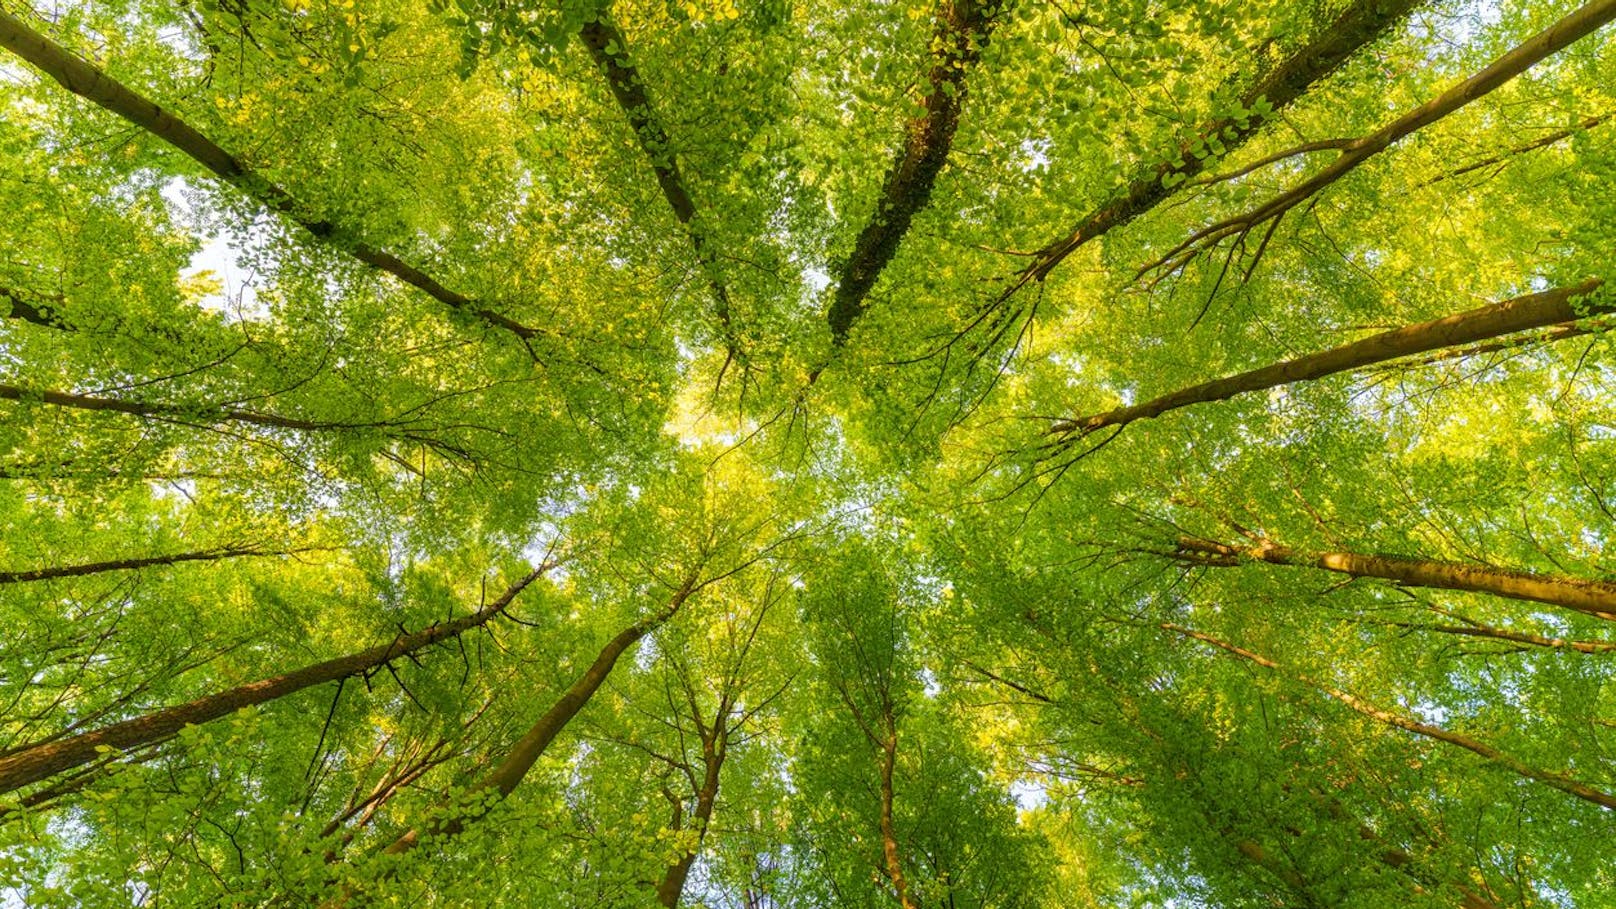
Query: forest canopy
[763,453]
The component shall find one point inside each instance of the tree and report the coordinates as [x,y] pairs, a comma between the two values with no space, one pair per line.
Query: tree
[752,453]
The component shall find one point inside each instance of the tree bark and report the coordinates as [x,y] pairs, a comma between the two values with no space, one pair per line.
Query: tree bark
[1516,315]
[1492,755]
[889,833]
[30,764]
[963,29]
[82,78]
[505,777]
[714,749]
[635,100]
[1578,24]
[1548,335]
[1362,23]
[1595,598]
[632,96]
[88,568]
[177,412]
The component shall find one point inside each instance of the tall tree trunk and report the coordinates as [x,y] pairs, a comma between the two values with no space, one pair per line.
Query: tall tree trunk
[508,774]
[82,78]
[714,749]
[1360,25]
[889,833]
[1574,26]
[1524,313]
[204,414]
[601,37]
[963,28]
[89,568]
[30,764]
[1595,598]
[1492,755]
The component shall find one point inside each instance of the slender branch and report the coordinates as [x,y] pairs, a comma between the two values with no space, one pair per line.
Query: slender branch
[88,568]
[1361,24]
[1306,148]
[1518,637]
[1582,125]
[206,415]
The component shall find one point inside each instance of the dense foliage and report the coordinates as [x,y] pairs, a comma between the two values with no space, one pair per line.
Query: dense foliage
[750,453]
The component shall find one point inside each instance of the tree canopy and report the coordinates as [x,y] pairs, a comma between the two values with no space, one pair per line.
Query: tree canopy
[763,453]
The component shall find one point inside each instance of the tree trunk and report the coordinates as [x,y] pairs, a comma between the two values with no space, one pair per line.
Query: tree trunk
[1595,598]
[530,747]
[82,78]
[1576,25]
[629,90]
[1548,335]
[631,95]
[1492,755]
[1519,314]
[889,833]
[1362,23]
[76,571]
[963,29]
[30,764]
[672,885]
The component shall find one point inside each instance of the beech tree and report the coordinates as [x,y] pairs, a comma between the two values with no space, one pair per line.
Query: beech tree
[762,453]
